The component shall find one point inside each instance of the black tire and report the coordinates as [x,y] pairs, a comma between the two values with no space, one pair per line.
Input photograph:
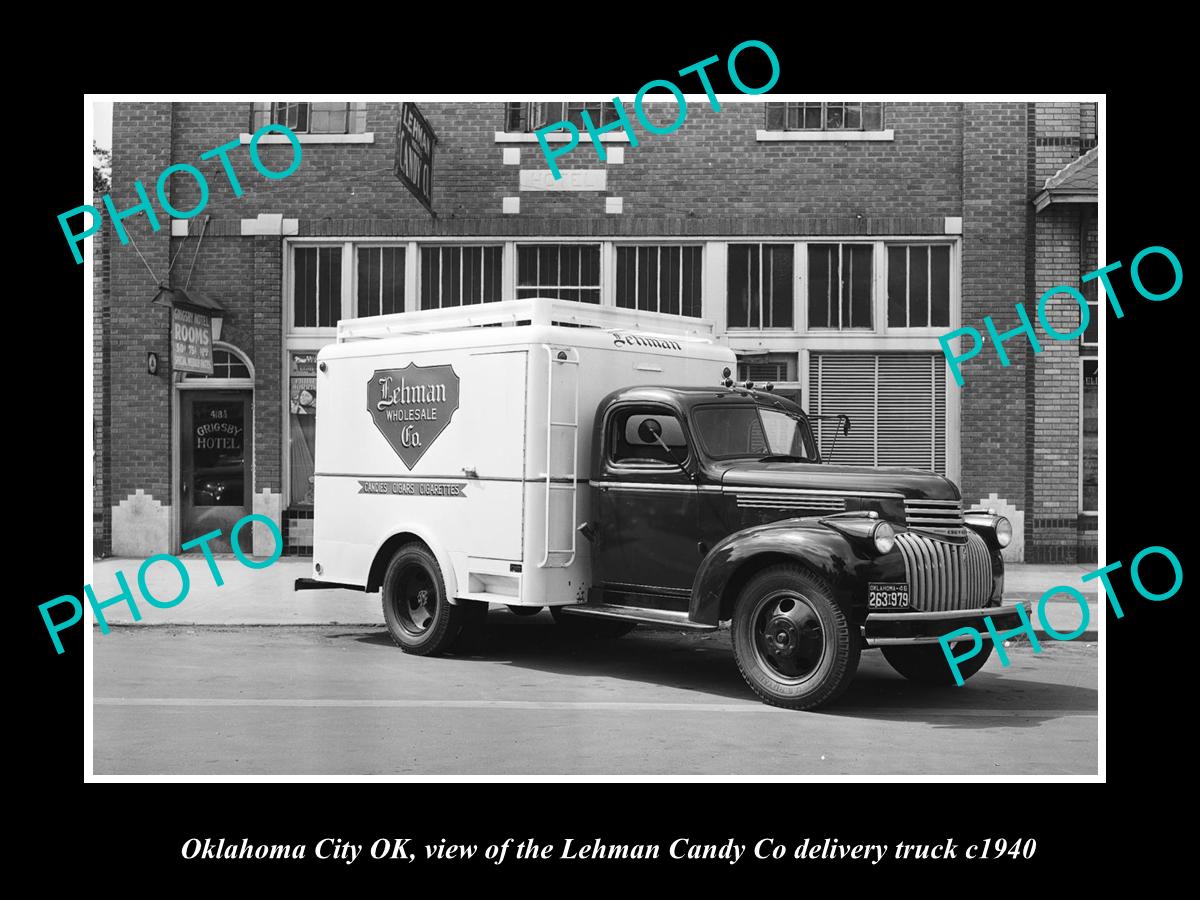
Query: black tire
[415,608]
[927,664]
[524,611]
[591,626]
[793,644]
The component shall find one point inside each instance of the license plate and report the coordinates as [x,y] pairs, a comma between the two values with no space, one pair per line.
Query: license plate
[882,595]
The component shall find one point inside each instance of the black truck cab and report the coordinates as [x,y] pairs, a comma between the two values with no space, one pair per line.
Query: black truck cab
[714,504]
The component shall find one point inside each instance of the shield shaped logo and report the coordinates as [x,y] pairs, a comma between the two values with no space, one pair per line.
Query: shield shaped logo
[412,406]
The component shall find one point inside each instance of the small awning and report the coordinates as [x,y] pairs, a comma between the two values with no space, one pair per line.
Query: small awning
[1074,183]
[190,298]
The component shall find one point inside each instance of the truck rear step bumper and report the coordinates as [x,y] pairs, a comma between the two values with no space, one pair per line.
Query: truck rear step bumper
[667,617]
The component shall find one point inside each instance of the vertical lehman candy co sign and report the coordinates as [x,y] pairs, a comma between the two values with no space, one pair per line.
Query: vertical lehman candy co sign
[415,141]
[412,406]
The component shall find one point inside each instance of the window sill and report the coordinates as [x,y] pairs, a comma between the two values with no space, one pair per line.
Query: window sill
[557,137]
[801,136]
[366,137]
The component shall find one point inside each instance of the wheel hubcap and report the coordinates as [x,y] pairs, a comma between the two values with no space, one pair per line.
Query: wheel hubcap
[416,605]
[788,638]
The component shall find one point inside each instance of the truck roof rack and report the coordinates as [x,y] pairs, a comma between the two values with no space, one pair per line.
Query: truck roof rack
[531,311]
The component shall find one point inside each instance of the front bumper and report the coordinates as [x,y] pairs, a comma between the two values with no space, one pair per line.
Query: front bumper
[883,629]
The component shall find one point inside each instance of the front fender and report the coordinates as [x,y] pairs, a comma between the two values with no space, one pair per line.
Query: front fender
[845,563]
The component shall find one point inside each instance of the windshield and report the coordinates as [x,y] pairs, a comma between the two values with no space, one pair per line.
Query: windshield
[731,432]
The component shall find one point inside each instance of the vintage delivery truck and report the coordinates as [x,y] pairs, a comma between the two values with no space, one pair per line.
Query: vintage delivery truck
[601,462]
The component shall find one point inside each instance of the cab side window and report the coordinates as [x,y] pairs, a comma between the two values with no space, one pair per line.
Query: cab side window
[634,434]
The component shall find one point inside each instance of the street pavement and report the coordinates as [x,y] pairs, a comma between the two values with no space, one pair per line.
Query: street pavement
[531,700]
[266,596]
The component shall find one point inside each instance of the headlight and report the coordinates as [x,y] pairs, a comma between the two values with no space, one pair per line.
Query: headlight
[885,537]
[1003,531]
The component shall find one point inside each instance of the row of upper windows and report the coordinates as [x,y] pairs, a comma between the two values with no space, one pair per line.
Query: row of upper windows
[666,278]
[350,118]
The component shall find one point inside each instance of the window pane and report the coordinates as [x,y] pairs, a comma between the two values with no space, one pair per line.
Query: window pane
[1091,334]
[471,274]
[939,274]
[647,284]
[527,265]
[626,277]
[492,263]
[430,278]
[897,286]
[821,312]
[834,115]
[856,275]
[451,275]
[329,118]
[738,285]
[329,286]
[668,280]
[812,115]
[514,117]
[918,287]
[853,115]
[692,257]
[872,116]
[1089,448]
[392,280]
[368,281]
[776,113]
[780,281]
[305,301]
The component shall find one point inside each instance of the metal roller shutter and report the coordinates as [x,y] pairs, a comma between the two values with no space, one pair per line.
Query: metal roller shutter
[896,403]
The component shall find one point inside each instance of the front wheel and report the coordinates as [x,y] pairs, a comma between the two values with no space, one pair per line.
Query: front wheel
[792,642]
[927,663]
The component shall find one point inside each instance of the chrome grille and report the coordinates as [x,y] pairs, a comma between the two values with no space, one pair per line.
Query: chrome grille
[944,576]
[941,516]
[819,503]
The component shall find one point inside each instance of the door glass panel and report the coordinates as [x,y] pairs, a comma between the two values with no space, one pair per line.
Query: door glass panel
[218,453]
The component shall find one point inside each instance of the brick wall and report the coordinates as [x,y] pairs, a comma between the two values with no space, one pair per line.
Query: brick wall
[718,177]
[101,458]
[995,228]
[140,409]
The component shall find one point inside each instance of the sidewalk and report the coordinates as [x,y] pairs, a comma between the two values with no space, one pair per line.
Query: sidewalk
[266,596]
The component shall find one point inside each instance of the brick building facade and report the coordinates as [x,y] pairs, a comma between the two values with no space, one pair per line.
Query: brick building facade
[830,244]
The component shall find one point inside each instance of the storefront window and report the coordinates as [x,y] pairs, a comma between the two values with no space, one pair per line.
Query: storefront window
[760,286]
[659,279]
[839,285]
[918,286]
[565,271]
[302,401]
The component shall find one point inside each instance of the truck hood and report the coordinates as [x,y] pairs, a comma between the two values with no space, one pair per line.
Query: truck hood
[914,484]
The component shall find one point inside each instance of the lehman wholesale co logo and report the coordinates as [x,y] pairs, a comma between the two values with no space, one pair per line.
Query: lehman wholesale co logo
[412,406]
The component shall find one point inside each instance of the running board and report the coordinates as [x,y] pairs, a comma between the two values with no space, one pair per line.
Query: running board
[638,614]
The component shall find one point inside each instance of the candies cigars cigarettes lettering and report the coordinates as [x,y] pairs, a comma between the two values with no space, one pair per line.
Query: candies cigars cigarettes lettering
[221,152]
[623,117]
[953,360]
[998,638]
[185,580]
[417,488]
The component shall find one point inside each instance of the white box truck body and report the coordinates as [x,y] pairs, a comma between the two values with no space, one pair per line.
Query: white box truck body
[470,429]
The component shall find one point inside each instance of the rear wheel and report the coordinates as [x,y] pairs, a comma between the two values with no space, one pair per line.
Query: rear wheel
[792,642]
[419,618]
[591,626]
[927,664]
